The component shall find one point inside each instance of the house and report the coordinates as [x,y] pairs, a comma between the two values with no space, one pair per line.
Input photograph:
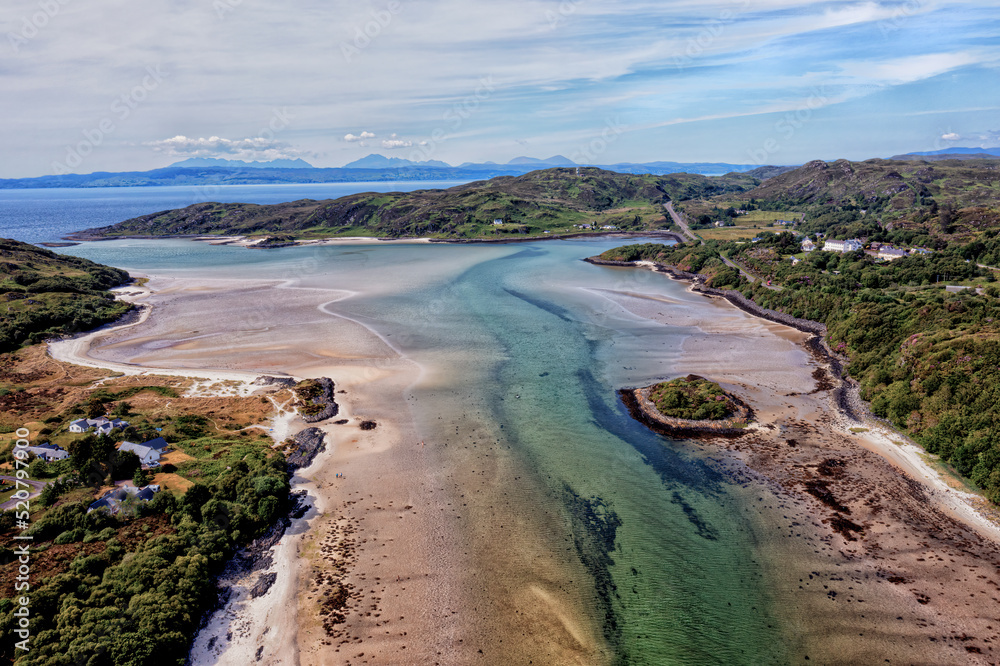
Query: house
[102,425]
[795,260]
[497,223]
[149,452]
[48,452]
[808,245]
[112,500]
[891,253]
[849,245]
[609,227]
[783,223]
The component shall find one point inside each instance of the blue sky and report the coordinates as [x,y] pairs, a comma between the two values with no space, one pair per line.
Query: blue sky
[111,85]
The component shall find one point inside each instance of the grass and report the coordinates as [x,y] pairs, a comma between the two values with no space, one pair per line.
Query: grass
[858,431]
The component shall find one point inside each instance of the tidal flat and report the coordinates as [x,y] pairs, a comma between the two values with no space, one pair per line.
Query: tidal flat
[507,509]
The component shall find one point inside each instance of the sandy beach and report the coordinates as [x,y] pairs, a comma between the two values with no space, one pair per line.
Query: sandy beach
[414,551]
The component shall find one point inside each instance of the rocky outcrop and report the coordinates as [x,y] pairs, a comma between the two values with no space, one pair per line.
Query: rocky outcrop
[277,382]
[316,401]
[643,410]
[308,443]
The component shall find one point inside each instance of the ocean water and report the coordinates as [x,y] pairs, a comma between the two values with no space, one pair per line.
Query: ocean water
[46,215]
[529,358]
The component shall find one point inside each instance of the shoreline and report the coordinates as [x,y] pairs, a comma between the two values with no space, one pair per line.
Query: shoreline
[852,412]
[248,242]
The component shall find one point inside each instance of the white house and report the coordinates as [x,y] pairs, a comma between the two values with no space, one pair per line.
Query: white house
[849,245]
[102,425]
[149,452]
[49,452]
[891,253]
[808,245]
[497,222]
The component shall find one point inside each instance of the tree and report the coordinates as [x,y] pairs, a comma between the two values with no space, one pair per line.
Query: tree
[140,478]
[122,410]
[95,408]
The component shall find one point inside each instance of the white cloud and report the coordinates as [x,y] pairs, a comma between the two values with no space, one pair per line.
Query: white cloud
[393,144]
[910,68]
[951,136]
[214,146]
[353,138]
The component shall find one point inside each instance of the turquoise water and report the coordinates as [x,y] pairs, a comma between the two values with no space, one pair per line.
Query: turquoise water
[533,358]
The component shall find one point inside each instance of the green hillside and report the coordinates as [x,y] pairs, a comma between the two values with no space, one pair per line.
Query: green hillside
[44,294]
[925,203]
[552,200]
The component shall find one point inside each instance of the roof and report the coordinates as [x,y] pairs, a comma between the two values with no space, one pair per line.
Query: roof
[159,444]
[140,450]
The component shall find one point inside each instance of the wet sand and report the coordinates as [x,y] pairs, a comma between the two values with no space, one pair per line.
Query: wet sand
[393,564]
[874,559]
[409,558]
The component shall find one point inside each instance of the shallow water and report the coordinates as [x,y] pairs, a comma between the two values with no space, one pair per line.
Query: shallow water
[523,353]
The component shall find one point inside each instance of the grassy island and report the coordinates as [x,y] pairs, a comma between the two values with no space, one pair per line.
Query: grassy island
[692,398]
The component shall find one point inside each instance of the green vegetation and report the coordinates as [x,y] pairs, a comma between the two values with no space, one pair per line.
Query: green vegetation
[550,200]
[131,588]
[927,359]
[46,294]
[691,398]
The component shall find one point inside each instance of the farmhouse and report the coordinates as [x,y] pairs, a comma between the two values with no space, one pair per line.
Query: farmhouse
[808,245]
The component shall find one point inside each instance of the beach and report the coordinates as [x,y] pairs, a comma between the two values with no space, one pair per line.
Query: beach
[505,507]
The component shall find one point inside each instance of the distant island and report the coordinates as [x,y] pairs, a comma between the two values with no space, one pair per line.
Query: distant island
[373,168]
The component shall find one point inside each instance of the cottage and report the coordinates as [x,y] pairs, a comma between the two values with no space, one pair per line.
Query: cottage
[149,452]
[101,425]
[808,245]
[48,452]
[849,245]
[112,500]
[497,223]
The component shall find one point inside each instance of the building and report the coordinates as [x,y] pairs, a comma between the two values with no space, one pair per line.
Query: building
[497,223]
[149,452]
[48,452]
[102,425]
[808,245]
[891,253]
[849,245]
[112,500]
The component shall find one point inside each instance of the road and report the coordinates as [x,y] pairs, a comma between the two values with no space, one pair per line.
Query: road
[37,485]
[679,221]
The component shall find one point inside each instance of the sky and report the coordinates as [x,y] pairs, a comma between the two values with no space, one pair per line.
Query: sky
[119,85]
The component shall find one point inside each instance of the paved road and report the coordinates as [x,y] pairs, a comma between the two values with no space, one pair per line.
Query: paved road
[679,221]
[36,485]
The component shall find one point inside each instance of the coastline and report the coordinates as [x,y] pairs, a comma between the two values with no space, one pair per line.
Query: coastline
[890,562]
[246,241]
[880,437]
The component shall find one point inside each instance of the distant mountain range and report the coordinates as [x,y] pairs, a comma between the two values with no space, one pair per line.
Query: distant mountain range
[238,164]
[955,153]
[373,168]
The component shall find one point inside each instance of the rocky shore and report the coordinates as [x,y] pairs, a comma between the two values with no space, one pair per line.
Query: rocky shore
[643,410]
[323,399]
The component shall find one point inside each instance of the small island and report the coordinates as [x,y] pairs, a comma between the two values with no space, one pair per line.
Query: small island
[688,406]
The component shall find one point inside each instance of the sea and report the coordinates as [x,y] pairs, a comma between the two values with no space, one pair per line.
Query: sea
[42,215]
[673,552]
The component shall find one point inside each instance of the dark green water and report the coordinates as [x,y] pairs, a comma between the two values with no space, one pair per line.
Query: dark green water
[529,358]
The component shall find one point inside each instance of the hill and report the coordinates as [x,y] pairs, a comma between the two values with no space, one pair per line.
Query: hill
[216,162]
[549,200]
[929,203]
[48,294]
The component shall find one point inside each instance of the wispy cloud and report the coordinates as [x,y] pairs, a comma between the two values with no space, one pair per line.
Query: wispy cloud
[253,148]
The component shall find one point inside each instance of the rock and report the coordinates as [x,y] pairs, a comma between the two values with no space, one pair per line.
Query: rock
[308,443]
[263,584]
[267,380]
